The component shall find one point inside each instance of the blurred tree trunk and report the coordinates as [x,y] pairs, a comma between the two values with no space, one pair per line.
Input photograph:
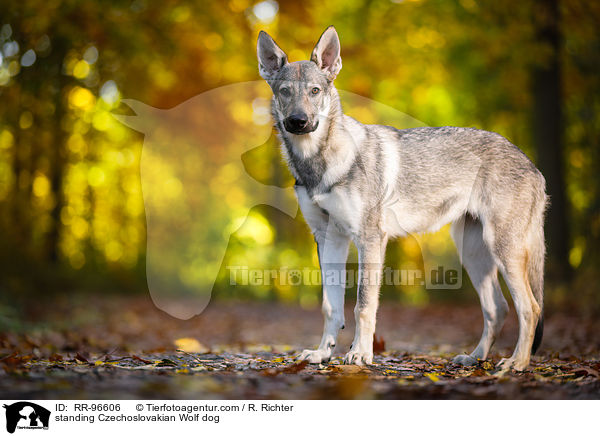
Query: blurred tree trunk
[20,220]
[548,136]
[57,153]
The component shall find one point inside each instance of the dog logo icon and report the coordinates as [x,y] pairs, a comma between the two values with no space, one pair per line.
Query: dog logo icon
[26,415]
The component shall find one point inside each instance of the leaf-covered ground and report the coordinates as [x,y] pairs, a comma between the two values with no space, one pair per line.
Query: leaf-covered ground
[125,348]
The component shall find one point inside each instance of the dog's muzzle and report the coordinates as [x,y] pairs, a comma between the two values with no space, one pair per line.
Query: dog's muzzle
[298,124]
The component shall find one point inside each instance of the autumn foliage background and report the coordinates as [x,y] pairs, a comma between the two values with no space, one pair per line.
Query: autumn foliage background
[72,218]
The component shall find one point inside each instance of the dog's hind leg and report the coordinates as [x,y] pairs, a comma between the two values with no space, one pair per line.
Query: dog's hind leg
[516,248]
[371,254]
[515,272]
[479,263]
[333,253]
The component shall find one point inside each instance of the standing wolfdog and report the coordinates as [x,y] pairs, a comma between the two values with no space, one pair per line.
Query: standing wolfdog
[367,183]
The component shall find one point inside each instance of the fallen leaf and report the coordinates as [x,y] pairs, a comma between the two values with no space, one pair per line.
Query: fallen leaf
[584,371]
[432,376]
[295,368]
[488,366]
[166,362]
[54,357]
[81,358]
[479,372]
[12,361]
[190,345]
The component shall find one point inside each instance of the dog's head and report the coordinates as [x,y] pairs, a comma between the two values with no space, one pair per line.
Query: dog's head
[302,90]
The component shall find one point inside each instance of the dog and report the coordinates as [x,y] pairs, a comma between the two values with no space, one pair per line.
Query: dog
[368,183]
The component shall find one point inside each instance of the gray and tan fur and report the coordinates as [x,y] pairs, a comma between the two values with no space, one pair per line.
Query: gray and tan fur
[368,183]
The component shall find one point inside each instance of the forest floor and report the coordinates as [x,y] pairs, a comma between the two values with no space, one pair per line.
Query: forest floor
[125,348]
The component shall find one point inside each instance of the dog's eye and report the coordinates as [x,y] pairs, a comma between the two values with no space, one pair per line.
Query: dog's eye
[285,92]
[315,90]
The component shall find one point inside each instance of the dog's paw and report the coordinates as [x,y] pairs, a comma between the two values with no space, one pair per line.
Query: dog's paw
[464,360]
[315,356]
[509,363]
[358,358]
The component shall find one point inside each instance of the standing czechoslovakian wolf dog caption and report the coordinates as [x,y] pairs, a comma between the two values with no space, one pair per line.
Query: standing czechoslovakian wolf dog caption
[367,183]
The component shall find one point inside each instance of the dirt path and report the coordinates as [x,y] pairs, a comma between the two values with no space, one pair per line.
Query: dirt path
[125,348]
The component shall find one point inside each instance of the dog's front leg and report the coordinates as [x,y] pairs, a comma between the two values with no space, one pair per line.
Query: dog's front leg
[333,253]
[371,253]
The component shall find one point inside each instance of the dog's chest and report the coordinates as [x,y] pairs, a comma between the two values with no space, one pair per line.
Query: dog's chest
[343,206]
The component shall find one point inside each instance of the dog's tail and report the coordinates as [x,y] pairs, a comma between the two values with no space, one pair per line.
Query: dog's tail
[535,265]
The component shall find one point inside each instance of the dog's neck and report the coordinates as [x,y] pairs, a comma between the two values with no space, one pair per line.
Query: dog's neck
[306,154]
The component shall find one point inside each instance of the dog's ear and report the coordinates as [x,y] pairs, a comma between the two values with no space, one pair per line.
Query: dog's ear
[326,53]
[270,57]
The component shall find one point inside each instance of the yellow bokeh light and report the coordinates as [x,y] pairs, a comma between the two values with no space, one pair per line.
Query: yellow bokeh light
[411,247]
[102,121]
[181,14]
[4,76]
[235,196]
[14,68]
[76,144]
[173,187]
[6,179]
[439,243]
[134,206]
[79,228]
[238,5]
[41,185]
[113,251]
[96,176]
[66,215]
[241,111]
[81,98]
[25,120]
[256,228]
[576,158]
[213,41]
[229,173]
[6,139]
[131,184]
[81,70]
[161,77]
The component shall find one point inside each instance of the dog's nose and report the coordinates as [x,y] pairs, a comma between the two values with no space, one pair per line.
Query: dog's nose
[296,121]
